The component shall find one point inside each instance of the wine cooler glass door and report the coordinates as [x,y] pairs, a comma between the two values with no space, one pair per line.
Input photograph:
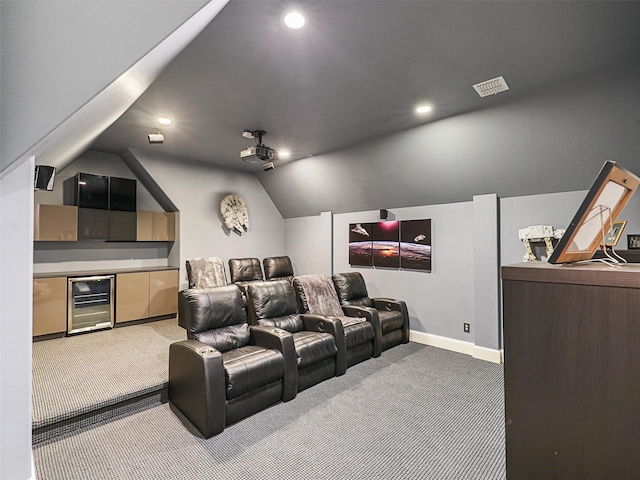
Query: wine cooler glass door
[90,303]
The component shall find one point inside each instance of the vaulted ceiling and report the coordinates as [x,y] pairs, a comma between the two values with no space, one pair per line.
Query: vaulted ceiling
[358,68]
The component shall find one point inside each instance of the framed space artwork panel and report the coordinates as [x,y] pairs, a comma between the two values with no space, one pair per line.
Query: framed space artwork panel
[395,244]
[415,245]
[386,244]
[360,246]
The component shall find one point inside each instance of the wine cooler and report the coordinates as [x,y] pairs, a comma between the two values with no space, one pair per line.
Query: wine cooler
[90,303]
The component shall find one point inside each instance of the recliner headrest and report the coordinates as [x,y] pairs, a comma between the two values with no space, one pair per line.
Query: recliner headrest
[277,267]
[215,316]
[349,286]
[272,299]
[245,269]
[203,272]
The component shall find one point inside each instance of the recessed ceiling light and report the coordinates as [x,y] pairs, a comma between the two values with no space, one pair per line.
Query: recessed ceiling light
[294,20]
[164,121]
[284,153]
[423,109]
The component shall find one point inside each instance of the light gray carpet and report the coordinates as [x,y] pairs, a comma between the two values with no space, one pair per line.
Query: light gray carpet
[81,373]
[416,412]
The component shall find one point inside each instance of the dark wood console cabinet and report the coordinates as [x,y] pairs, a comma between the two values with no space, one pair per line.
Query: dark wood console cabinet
[572,371]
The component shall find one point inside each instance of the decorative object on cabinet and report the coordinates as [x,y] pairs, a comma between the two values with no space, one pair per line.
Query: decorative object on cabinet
[610,192]
[612,237]
[633,241]
[234,213]
[539,241]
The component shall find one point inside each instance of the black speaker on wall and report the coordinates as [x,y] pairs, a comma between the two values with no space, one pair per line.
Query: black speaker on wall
[384,214]
[44,177]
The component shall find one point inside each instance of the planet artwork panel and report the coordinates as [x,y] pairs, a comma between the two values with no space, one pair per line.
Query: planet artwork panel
[386,244]
[415,245]
[360,244]
[392,244]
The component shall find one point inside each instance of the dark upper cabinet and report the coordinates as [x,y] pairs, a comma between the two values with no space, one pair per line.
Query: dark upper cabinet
[123,226]
[122,194]
[86,190]
[93,224]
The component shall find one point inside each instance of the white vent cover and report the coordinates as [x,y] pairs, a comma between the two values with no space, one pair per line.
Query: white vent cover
[491,87]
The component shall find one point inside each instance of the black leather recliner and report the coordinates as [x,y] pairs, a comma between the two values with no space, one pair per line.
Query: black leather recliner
[318,356]
[205,272]
[393,314]
[227,370]
[245,270]
[317,295]
[278,268]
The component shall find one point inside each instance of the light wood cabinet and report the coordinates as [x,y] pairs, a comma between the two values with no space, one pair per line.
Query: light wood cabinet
[163,292]
[132,296]
[146,294]
[55,223]
[49,305]
[156,226]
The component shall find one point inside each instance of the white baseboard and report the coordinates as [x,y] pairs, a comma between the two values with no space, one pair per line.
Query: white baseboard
[459,346]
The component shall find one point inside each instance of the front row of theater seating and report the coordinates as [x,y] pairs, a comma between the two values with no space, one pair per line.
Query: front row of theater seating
[228,370]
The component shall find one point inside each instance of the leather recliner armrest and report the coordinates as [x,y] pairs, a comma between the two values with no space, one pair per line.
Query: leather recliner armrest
[318,323]
[281,340]
[197,385]
[371,315]
[392,304]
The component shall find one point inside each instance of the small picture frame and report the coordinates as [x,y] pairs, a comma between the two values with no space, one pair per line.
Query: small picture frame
[612,237]
[633,241]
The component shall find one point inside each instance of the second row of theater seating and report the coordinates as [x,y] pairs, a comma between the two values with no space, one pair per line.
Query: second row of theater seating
[315,334]
[209,271]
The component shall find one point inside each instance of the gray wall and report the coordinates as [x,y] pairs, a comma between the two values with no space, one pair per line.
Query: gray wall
[553,141]
[16,236]
[196,190]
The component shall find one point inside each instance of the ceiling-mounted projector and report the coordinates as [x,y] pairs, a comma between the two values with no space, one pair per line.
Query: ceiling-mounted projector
[259,153]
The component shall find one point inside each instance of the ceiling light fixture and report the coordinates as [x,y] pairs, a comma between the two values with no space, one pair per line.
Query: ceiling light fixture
[284,153]
[294,20]
[166,121]
[421,109]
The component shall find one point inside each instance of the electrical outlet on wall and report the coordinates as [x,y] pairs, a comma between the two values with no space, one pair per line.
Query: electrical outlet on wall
[466,327]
